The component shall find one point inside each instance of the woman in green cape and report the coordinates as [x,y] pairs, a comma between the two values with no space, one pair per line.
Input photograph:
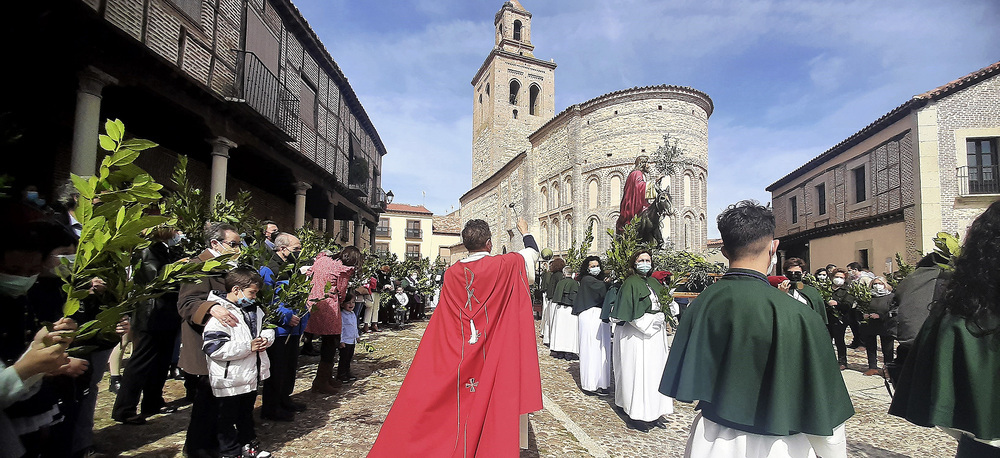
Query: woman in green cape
[595,334]
[949,379]
[639,351]
[556,267]
[564,335]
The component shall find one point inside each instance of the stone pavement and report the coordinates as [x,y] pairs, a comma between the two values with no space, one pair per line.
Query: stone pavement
[572,424]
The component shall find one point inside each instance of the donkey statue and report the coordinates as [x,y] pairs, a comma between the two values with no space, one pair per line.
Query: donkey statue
[651,219]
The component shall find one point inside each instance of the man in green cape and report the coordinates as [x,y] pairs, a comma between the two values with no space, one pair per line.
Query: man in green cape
[758,362]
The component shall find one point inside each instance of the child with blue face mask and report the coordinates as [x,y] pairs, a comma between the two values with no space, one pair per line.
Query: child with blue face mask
[237,362]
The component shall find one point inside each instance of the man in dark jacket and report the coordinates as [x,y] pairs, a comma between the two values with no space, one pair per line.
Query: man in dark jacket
[911,305]
[276,403]
[154,328]
[195,309]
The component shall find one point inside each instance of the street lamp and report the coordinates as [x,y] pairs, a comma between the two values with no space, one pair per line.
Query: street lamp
[388,197]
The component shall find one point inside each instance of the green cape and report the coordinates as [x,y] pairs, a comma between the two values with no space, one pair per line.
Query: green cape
[610,300]
[950,378]
[633,298]
[757,360]
[544,283]
[565,291]
[591,294]
[550,288]
[815,300]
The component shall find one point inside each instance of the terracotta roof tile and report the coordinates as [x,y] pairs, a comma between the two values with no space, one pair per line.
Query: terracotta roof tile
[411,209]
[448,224]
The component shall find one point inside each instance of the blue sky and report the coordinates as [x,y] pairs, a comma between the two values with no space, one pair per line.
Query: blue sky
[789,79]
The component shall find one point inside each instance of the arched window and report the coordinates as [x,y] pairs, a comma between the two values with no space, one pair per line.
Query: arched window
[598,233]
[555,195]
[545,198]
[554,235]
[517,30]
[515,87]
[665,228]
[616,189]
[543,233]
[533,99]
[567,236]
[568,191]
[515,114]
[688,234]
[592,193]
[687,190]
[487,89]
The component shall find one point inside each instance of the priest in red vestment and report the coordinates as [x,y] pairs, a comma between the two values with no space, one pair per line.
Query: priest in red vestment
[634,194]
[475,373]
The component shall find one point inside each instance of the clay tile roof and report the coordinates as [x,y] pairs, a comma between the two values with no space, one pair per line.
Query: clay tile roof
[966,80]
[408,209]
[448,224]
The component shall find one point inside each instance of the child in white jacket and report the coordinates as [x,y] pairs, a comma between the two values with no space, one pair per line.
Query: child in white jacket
[237,362]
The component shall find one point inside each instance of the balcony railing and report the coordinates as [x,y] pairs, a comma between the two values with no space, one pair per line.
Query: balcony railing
[413,256]
[382,231]
[262,91]
[414,233]
[381,253]
[978,180]
[379,199]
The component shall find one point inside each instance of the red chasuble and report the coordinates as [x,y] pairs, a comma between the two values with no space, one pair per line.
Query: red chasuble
[475,371]
[633,199]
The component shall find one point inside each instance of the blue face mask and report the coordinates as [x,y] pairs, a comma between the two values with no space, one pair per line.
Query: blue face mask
[643,267]
[244,301]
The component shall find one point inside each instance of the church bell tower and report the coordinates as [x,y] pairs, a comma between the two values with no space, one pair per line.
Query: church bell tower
[513,94]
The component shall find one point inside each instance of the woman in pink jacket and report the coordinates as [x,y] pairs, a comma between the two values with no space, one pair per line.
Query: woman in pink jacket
[324,317]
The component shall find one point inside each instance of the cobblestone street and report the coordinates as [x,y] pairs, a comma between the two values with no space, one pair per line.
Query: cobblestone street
[572,423]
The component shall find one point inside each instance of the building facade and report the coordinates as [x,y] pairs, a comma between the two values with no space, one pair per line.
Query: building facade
[564,172]
[245,89]
[929,165]
[413,232]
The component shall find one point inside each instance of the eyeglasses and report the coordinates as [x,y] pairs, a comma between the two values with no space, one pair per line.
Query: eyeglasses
[231,243]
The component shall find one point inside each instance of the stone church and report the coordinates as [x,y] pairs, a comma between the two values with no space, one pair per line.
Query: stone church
[564,171]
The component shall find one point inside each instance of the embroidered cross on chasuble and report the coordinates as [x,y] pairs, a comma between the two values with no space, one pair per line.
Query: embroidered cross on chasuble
[475,374]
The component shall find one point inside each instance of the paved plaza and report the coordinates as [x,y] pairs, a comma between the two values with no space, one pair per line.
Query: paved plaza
[572,424]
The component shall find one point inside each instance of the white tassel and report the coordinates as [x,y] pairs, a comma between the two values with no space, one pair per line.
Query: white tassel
[475,333]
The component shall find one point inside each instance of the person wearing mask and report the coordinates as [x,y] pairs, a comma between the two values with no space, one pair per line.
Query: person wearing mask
[758,362]
[564,337]
[822,274]
[950,378]
[270,232]
[330,278]
[383,289]
[276,401]
[872,325]
[792,285]
[640,347]
[595,334]
[839,310]
[195,310]
[912,300]
[411,284]
[154,326]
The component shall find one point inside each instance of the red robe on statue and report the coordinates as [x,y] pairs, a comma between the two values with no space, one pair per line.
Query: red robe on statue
[475,371]
[633,199]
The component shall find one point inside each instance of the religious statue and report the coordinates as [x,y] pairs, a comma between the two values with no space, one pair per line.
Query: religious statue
[651,219]
[648,202]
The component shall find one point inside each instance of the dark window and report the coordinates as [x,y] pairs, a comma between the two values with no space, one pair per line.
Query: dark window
[821,199]
[981,154]
[860,185]
[515,87]
[381,249]
[515,114]
[517,30]
[863,258]
[533,99]
[382,230]
[413,229]
[413,252]
[307,104]
[192,8]
[487,89]
[794,201]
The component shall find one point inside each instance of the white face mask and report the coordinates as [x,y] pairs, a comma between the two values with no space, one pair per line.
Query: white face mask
[643,267]
[595,271]
[878,287]
[821,276]
[16,285]
[838,281]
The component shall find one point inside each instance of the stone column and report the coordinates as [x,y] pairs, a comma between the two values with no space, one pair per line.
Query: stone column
[331,214]
[371,235]
[220,167]
[300,202]
[357,230]
[87,120]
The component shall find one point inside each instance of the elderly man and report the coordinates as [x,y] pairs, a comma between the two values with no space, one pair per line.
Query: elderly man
[270,232]
[195,309]
[477,366]
[276,402]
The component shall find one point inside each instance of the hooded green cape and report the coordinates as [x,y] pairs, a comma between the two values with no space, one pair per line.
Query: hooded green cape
[633,298]
[550,286]
[950,378]
[565,291]
[815,300]
[757,361]
[591,294]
